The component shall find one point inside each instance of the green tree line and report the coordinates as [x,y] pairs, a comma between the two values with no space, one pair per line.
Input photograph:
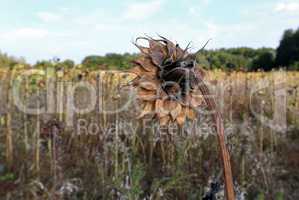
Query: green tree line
[7,61]
[286,55]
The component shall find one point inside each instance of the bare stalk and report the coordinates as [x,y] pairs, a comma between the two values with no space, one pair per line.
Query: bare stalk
[9,145]
[224,154]
[37,139]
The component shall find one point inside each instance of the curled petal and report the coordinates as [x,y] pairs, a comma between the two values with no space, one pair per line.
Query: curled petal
[146,95]
[145,63]
[149,85]
[157,51]
[157,57]
[139,71]
[179,52]
[147,109]
[157,46]
[143,50]
[171,48]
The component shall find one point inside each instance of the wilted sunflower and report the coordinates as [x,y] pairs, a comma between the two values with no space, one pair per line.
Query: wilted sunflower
[170,86]
[167,81]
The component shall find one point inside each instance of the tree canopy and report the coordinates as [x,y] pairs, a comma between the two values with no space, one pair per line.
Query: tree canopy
[288,49]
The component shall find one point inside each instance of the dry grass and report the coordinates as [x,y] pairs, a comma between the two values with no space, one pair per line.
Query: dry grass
[46,159]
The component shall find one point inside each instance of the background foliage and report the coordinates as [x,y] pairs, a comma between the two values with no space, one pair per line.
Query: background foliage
[286,55]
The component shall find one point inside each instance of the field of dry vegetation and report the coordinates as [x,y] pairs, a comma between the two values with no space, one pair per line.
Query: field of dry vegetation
[101,154]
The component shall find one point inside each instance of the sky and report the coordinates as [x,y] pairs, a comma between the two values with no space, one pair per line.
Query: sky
[73,29]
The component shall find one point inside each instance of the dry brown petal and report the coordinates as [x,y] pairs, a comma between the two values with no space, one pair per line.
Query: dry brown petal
[194,103]
[179,52]
[181,118]
[173,55]
[157,52]
[164,120]
[139,71]
[145,63]
[156,45]
[143,50]
[169,105]
[157,57]
[176,111]
[147,109]
[186,112]
[146,95]
[152,74]
[196,100]
[187,100]
[161,93]
[135,82]
[159,108]
[149,84]
[190,113]
[171,48]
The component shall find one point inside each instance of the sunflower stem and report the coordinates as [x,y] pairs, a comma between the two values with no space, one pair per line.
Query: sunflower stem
[224,154]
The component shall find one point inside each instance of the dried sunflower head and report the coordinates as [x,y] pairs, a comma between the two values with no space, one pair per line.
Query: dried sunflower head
[167,79]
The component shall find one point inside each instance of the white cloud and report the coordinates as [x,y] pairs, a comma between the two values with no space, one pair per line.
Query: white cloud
[196,8]
[48,16]
[287,7]
[113,32]
[140,11]
[24,33]
[192,10]
[65,9]
[205,2]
